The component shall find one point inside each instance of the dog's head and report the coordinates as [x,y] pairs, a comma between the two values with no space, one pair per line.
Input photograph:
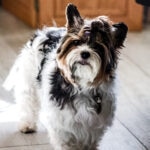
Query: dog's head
[88,53]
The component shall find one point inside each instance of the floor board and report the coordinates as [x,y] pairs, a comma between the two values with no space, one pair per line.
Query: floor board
[33,147]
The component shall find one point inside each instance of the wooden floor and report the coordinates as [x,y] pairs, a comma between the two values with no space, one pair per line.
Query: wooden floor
[131,128]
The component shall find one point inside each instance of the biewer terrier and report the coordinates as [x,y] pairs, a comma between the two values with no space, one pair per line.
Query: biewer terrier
[71,73]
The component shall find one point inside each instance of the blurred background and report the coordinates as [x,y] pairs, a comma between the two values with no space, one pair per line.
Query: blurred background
[37,13]
[18,21]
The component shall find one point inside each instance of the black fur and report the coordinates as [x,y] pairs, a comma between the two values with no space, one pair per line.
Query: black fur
[51,42]
[39,77]
[32,39]
[74,20]
[101,33]
[120,34]
[61,90]
[98,102]
[48,46]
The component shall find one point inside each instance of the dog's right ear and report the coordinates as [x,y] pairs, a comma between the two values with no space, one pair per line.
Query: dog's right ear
[74,20]
[119,34]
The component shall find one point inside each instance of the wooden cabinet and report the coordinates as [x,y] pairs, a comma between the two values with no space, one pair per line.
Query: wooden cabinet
[47,12]
[23,9]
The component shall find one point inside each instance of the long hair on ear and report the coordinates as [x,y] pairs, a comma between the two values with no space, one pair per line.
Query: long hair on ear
[119,34]
[74,20]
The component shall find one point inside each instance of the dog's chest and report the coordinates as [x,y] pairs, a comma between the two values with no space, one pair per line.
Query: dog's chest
[88,109]
[84,113]
[65,94]
[90,100]
[81,112]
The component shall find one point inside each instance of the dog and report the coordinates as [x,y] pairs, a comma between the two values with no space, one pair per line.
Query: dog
[70,72]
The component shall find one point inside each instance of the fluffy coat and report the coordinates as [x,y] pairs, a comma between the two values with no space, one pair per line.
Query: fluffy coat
[78,94]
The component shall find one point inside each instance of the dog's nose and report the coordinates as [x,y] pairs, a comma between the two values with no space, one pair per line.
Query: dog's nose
[85,55]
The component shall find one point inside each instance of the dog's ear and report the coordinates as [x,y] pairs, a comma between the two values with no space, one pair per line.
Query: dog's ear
[119,34]
[74,20]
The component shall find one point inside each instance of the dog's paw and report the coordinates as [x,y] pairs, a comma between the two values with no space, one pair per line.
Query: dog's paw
[27,127]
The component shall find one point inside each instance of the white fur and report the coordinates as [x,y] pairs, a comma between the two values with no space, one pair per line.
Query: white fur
[84,74]
[68,129]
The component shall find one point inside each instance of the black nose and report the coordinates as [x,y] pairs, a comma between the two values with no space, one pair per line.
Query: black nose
[85,55]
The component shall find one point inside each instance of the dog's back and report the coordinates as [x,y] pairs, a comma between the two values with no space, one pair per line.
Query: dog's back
[33,55]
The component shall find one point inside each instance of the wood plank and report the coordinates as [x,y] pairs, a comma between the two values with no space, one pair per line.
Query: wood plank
[139,52]
[136,84]
[9,134]
[133,103]
[122,11]
[96,7]
[118,138]
[7,57]
[33,147]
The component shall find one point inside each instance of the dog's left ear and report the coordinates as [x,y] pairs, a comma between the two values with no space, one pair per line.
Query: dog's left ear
[119,34]
[74,20]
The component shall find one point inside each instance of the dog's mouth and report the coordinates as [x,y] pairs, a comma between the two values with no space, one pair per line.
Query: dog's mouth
[80,63]
[83,62]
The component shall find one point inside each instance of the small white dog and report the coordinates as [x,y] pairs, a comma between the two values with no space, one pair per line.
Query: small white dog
[72,72]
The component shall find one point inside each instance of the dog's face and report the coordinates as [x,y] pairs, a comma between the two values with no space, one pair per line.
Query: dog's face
[88,53]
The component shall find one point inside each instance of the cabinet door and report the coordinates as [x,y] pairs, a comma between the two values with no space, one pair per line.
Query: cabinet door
[94,7]
[23,9]
[118,10]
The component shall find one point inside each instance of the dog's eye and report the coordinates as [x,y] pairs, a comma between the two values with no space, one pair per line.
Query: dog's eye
[76,42]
